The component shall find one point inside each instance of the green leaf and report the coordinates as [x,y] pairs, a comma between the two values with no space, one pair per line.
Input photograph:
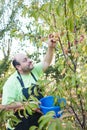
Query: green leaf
[48,115]
[71,4]
[30,90]
[10,123]
[59,125]
[71,24]
[14,121]
[43,123]
[19,113]
[58,10]
[32,105]
[33,128]
[28,110]
[52,126]
[25,114]
[32,98]
[36,91]
[69,126]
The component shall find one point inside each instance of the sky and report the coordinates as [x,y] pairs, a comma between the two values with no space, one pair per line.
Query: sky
[15,42]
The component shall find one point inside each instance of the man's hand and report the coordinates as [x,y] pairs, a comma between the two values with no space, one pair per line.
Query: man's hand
[12,106]
[52,40]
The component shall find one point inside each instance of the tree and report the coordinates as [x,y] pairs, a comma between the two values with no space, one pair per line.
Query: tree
[64,18]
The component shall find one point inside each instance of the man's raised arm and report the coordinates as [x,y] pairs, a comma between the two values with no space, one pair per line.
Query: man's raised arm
[49,54]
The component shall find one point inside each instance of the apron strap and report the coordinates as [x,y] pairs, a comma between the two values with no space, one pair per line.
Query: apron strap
[33,76]
[21,80]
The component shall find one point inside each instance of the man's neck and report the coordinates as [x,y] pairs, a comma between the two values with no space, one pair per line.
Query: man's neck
[24,73]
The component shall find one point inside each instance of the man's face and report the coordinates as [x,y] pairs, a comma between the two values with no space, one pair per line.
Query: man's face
[26,64]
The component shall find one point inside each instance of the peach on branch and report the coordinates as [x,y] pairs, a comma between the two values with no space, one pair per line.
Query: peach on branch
[56,36]
[65,51]
[76,55]
[81,38]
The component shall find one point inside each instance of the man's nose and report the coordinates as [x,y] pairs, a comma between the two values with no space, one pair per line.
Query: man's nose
[30,61]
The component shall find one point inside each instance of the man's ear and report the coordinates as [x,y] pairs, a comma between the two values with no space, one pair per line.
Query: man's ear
[18,67]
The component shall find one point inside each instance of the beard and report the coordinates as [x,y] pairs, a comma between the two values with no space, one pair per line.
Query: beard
[27,69]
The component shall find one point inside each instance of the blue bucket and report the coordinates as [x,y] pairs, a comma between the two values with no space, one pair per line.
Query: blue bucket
[47,104]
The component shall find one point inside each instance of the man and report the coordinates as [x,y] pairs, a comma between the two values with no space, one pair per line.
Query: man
[18,83]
